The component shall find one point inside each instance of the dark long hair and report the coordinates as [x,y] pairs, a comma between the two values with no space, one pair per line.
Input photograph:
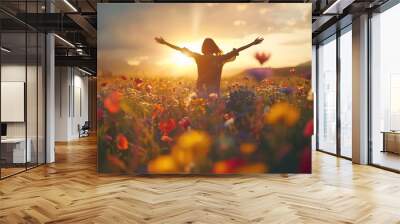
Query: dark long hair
[210,47]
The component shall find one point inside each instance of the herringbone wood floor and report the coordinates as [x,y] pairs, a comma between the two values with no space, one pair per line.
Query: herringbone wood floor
[70,191]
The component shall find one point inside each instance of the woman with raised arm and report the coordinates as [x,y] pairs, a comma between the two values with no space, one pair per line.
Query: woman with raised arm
[210,63]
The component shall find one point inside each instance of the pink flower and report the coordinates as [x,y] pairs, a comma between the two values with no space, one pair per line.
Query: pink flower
[185,123]
[213,96]
[100,114]
[108,138]
[148,88]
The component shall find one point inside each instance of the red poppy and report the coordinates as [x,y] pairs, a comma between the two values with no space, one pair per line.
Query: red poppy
[122,142]
[309,128]
[124,77]
[262,57]
[112,102]
[103,84]
[138,81]
[166,138]
[158,109]
[167,126]
[228,166]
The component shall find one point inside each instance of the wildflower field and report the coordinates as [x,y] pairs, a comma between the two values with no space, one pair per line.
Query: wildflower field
[160,125]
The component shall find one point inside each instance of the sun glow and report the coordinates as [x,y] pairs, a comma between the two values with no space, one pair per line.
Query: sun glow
[181,60]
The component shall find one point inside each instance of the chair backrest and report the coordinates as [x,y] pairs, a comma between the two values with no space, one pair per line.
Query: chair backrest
[86,124]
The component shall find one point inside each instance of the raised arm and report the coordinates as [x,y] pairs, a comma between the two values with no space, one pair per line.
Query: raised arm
[184,50]
[161,40]
[230,56]
[258,40]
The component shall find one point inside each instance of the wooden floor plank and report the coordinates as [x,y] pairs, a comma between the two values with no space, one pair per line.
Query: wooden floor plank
[71,191]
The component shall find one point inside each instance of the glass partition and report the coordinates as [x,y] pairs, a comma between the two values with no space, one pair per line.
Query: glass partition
[13,95]
[22,88]
[31,97]
[41,96]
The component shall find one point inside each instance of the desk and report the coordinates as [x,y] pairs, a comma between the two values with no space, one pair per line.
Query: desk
[13,150]
[391,141]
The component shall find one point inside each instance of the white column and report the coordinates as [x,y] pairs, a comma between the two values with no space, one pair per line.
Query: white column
[50,92]
[360,90]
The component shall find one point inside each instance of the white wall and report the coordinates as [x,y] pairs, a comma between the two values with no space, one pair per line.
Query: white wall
[71,94]
[16,73]
[33,127]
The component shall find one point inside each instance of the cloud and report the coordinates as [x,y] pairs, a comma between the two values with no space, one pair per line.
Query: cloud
[133,62]
[241,7]
[291,22]
[211,4]
[239,23]
[295,42]
[262,11]
[137,60]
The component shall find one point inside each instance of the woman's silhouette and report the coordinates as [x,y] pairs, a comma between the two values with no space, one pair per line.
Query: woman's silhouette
[210,63]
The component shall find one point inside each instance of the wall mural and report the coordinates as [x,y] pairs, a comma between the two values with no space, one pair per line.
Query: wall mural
[204,88]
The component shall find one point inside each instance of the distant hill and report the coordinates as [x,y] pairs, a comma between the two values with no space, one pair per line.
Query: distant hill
[303,70]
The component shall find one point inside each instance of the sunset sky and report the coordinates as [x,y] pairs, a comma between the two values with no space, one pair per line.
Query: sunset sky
[126,35]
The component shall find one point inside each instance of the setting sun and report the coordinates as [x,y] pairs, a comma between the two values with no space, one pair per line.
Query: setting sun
[181,60]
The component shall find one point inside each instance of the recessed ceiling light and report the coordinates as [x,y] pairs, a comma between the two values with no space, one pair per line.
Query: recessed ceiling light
[64,40]
[84,71]
[337,7]
[5,50]
[70,5]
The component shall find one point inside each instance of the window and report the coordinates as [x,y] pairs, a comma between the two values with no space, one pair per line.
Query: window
[385,89]
[327,96]
[346,92]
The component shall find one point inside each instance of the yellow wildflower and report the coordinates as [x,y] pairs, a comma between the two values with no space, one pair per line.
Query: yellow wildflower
[191,146]
[163,164]
[247,148]
[282,113]
[253,168]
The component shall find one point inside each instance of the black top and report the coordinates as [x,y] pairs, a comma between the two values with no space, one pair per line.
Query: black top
[209,69]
